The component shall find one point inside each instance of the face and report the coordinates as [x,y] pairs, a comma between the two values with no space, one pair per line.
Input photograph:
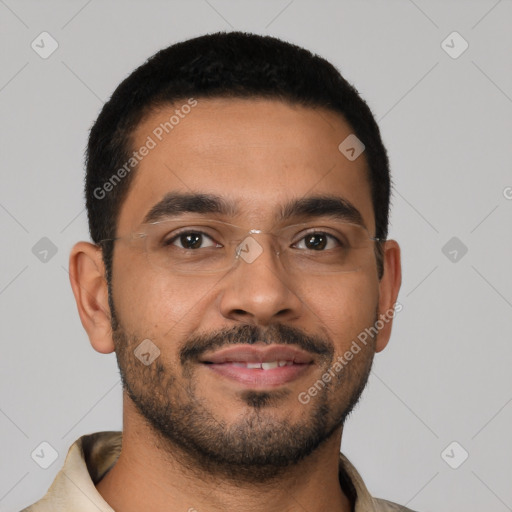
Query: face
[207,395]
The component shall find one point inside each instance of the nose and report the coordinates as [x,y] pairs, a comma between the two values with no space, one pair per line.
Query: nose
[258,289]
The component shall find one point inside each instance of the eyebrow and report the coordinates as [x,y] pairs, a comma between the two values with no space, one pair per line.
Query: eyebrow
[178,203]
[323,206]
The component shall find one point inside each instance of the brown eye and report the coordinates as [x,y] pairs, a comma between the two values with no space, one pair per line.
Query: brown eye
[191,240]
[317,241]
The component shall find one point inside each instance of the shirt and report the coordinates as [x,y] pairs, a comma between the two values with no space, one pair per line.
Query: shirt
[93,455]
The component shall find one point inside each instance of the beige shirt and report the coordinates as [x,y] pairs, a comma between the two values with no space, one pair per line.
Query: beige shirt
[91,456]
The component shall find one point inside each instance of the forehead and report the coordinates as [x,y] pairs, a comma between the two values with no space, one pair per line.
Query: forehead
[259,154]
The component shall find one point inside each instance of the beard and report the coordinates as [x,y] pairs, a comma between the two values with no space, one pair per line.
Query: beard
[258,445]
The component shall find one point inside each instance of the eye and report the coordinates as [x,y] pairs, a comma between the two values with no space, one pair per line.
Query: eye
[317,241]
[191,240]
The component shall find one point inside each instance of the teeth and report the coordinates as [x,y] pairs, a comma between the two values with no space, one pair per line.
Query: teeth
[269,365]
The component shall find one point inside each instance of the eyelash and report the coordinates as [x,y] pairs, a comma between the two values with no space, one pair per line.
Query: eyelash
[186,231]
[176,236]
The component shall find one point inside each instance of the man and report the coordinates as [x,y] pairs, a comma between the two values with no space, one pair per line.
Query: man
[238,193]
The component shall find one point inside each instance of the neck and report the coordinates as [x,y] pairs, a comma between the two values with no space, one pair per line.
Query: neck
[147,477]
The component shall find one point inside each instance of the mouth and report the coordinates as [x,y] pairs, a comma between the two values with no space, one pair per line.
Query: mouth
[259,367]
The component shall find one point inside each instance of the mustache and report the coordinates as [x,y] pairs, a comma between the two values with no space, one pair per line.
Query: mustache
[197,345]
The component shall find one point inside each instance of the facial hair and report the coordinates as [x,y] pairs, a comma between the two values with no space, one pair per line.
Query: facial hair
[256,447]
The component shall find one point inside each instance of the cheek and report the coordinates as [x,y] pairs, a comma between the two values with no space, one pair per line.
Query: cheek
[344,305]
[151,304]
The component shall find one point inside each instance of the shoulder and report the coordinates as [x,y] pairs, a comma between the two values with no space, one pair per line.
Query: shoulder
[388,506]
[73,488]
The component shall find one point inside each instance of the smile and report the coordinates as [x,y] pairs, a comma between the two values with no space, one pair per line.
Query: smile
[257,366]
[260,366]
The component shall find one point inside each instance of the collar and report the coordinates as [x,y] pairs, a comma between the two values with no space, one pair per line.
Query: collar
[93,455]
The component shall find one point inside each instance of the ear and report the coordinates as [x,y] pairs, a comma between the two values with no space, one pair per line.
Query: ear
[389,287]
[87,276]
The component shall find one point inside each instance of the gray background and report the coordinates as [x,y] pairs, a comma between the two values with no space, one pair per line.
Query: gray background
[445,375]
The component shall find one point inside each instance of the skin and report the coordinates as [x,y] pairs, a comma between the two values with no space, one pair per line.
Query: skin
[259,154]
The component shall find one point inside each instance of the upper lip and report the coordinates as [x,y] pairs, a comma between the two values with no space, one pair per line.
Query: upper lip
[255,354]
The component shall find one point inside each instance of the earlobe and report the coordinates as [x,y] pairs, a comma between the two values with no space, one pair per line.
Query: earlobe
[389,287]
[87,277]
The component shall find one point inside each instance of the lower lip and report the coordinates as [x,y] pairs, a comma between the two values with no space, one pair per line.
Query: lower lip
[257,378]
